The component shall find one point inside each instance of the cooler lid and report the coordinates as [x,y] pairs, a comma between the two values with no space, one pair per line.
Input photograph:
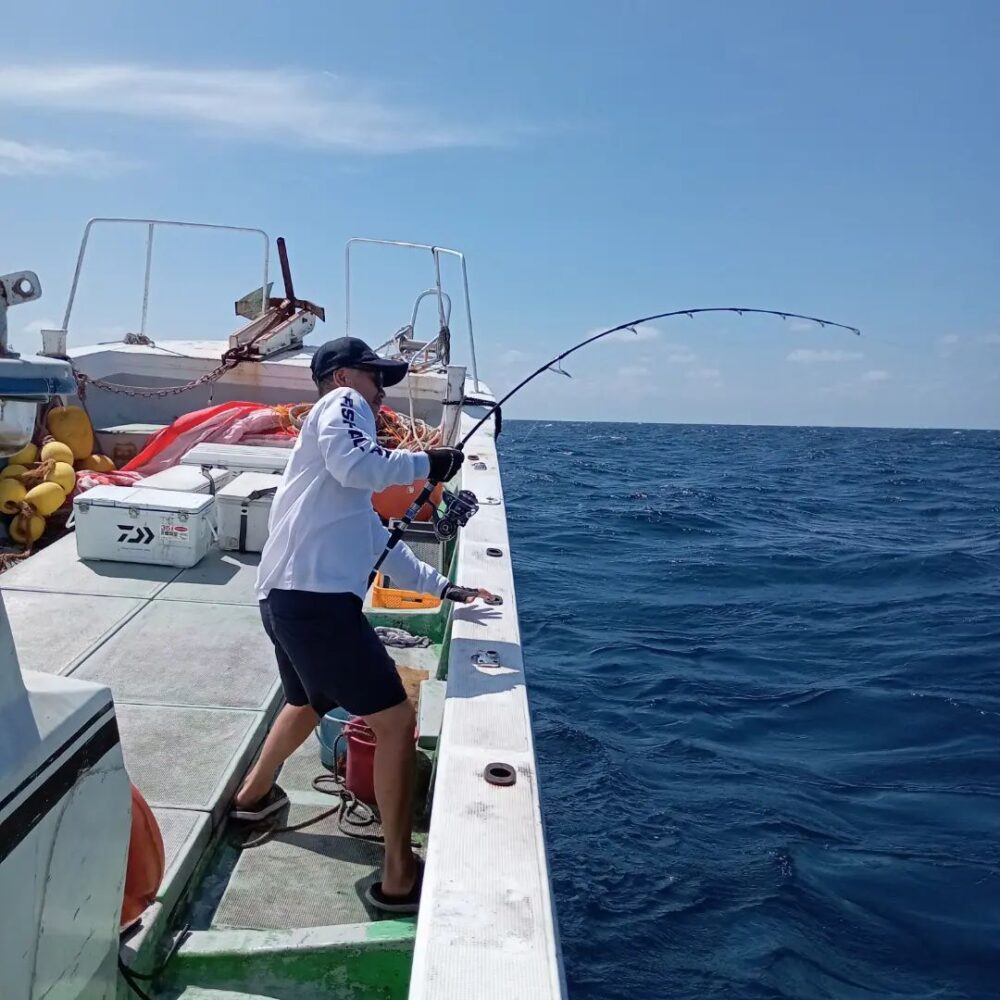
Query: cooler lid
[168,501]
[184,478]
[240,455]
[247,483]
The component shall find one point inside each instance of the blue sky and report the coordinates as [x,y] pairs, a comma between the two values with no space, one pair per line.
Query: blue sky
[596,161]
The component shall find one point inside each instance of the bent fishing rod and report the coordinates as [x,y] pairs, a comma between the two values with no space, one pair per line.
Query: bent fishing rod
[400,529]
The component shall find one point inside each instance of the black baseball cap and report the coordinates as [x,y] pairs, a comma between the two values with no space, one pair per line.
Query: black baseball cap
[350,352]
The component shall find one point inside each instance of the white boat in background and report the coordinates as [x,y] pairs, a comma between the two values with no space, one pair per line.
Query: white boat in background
[182,654]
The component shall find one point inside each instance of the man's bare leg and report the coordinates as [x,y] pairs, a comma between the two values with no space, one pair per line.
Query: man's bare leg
[395,764]
[290,730]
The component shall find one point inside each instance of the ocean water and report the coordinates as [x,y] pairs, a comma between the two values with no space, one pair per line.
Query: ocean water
[764,669]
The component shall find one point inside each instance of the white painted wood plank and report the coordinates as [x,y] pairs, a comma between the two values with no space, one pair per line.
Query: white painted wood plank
[487,924]
[430,713]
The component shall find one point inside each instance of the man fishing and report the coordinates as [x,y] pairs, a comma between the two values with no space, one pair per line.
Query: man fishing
[323,539]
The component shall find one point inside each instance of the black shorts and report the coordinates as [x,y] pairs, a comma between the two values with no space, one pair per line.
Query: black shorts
[328,653]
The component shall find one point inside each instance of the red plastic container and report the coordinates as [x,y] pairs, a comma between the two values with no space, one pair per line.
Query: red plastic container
[360,760]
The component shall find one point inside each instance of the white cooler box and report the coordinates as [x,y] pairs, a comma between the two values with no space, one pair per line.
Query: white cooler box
[244,505]
[132,524]
[238,457]
[188,479]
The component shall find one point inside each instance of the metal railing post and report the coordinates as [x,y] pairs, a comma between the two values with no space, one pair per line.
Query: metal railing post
[468,316]
[347,290]
[437,285]
[145,284]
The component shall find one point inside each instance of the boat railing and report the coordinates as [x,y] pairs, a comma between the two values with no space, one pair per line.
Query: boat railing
[151,227]
[420,298]
[444,312]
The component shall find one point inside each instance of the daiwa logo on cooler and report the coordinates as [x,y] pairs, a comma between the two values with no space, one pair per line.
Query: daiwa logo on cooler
[134,534]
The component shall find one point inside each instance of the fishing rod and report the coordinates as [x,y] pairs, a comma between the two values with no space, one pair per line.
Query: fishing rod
[400,528]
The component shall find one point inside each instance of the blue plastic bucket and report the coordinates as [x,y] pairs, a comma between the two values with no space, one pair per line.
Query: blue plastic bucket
[329,728]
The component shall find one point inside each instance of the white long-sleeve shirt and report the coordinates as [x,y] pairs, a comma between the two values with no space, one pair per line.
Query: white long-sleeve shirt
[323,534]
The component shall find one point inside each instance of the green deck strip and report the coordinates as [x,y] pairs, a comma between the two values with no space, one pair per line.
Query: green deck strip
[351,962]
[200,993]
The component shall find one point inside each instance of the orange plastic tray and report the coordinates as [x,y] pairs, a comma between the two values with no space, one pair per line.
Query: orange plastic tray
[401,600]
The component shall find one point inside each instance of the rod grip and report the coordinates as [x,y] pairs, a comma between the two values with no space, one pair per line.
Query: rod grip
[397,533]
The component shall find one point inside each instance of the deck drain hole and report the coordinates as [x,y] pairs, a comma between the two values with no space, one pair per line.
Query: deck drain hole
[500,774]
[495,552]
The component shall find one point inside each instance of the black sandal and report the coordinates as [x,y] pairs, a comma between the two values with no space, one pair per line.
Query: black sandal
[275,800]
[407,904]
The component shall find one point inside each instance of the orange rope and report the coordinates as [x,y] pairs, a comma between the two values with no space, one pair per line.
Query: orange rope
[37,474]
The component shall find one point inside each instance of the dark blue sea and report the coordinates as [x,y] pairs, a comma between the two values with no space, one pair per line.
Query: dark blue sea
[764,669]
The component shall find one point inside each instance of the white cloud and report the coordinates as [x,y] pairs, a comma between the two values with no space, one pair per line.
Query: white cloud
[512,356]
[633,371]
[990,338]
[36,158]
[800,325]
[680,356]
[875,375]
[321,110]
[949,339]
[806,356]
[710,378]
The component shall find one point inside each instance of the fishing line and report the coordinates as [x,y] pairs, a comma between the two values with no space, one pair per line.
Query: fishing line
[400,529]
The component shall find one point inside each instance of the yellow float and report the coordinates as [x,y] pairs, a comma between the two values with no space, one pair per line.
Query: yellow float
[24,529]
[45,498]
[58,452]
[71,426]
[12,494]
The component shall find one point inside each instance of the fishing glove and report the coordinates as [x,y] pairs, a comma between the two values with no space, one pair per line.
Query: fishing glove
[445,462]
[460,594]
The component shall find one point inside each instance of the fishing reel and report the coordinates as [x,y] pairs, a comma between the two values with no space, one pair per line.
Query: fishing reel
[458,511]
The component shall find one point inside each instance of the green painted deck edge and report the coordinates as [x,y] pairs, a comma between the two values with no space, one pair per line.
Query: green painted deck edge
[350,962]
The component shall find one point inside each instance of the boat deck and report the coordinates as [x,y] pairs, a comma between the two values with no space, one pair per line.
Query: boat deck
[191,672]
[195,687]
[267,890]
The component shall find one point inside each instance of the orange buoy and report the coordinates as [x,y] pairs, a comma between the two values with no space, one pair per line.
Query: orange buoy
[393,501]
[146,861]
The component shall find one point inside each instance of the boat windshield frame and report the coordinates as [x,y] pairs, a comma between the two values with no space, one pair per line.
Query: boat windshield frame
[151,226]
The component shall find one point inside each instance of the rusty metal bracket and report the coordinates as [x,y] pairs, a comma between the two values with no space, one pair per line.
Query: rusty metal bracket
[290,302]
